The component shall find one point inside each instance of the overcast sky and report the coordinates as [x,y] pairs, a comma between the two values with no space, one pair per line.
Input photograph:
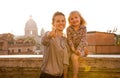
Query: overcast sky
[100,15]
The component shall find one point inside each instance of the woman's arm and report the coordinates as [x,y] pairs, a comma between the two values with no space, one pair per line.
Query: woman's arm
[46,39]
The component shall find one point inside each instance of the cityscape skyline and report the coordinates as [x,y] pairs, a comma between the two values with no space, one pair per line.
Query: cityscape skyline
[101,15]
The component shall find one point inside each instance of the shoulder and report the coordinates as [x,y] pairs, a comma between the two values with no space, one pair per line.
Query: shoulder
[69,28]
[46,33]
[82,27]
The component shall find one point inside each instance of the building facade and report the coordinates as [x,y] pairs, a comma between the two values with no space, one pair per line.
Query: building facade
[26,44]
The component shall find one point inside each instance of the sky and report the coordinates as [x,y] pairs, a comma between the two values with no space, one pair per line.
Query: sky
[100,15]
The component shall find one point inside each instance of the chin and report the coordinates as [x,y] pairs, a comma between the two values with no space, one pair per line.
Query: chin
[60,29]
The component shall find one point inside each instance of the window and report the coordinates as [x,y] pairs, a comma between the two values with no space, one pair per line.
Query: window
[19,50]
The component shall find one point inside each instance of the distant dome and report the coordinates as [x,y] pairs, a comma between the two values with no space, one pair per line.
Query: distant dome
[30,24]
[31,28]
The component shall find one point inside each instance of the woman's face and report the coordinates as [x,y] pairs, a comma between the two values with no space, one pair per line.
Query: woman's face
[74,19]
[59,22]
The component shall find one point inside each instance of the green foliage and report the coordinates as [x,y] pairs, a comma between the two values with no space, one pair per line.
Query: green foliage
[117,39]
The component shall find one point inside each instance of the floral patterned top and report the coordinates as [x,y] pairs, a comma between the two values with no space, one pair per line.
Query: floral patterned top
[77,39]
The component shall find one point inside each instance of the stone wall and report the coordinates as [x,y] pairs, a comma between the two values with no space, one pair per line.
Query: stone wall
[90,67]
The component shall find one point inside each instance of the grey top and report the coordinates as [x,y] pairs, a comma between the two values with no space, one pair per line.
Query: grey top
[55,56]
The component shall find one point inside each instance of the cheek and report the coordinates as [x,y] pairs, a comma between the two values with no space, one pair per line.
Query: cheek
[70,20]
[79,20]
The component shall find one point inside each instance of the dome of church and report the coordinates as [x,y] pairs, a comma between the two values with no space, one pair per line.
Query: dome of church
[30,24]
[31,28]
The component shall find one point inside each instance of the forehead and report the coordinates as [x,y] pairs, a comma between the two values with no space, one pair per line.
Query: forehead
[74,14]
[59,17]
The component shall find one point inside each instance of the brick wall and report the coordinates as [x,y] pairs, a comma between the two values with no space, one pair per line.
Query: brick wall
[101,38]
[102,43]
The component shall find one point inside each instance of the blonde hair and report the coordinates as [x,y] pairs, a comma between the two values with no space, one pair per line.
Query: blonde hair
[83,22]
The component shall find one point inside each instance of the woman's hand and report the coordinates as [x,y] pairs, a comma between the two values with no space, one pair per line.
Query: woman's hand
[52,33]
